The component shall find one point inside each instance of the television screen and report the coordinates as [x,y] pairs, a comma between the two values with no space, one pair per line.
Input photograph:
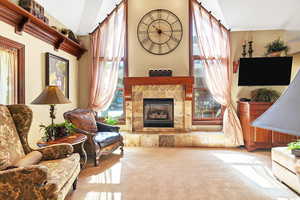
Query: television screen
[265,71]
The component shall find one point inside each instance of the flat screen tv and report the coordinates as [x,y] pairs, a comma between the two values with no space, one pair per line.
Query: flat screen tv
[265,71]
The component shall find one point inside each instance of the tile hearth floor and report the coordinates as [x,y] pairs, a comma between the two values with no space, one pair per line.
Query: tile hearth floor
[182,174]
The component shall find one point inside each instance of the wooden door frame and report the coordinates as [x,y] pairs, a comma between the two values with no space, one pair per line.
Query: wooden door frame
[20,48]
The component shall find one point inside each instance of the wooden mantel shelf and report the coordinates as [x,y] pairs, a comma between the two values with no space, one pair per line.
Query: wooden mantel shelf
[22,20]
[186,81]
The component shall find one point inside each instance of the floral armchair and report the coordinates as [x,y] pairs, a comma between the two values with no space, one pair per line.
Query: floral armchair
[49,176]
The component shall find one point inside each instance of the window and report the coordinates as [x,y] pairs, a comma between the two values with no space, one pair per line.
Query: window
[117,107]
[113,54]
[205,109]
[12,81]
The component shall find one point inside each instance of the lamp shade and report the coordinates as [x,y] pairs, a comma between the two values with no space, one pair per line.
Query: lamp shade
[51,95]
[284,115]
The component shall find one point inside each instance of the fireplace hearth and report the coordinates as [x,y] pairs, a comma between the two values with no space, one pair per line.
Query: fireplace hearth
[158,112]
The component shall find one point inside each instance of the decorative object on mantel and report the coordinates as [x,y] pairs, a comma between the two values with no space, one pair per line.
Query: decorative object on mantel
[264,95]
[275,48]
[33,7]
[244,53]
[23,20]
[68,33]
[250,50]
[283,116]
[57,72]
[160,72]
[51,95]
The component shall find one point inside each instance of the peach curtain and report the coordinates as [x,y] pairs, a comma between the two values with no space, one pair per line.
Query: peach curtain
[214,43]
[8,76]
[107,49]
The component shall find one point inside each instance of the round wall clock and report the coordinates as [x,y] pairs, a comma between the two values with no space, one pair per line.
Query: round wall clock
[159,31]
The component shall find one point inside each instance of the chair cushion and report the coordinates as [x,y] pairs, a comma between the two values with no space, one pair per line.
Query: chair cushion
[107,138]
[32,158]
[61,170]
[9,138]
[82,119]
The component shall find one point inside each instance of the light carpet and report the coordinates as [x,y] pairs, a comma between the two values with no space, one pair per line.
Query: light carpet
[182,174]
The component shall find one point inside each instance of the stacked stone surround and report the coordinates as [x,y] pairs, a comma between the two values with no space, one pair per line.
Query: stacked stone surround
[192,139]
[182,108]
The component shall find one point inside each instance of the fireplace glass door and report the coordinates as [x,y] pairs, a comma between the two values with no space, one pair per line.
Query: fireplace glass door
[158,113]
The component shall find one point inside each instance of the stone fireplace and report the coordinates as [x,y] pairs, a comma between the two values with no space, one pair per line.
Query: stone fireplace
[158,104]
[158,113]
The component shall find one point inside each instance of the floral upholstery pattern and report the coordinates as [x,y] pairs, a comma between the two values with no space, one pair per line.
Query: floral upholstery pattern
[60,171]
[48,180]
[31,184]
[56,151]
[9,138]
[22,116]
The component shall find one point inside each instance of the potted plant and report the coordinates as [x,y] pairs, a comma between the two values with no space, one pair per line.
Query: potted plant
[295,148]
[111,121]
[54,131]
[264,95]
[276,47]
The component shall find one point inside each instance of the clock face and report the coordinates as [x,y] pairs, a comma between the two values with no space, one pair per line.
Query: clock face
[159,31]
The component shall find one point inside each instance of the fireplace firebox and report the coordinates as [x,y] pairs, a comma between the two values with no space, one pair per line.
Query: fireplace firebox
[158,113]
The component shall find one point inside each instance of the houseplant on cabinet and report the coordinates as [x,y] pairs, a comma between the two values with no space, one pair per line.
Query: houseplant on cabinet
[276,48]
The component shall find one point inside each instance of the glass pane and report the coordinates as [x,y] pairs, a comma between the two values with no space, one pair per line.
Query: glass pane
[205,105]
[121,75]
[116,109]
[199,74]
[196,49]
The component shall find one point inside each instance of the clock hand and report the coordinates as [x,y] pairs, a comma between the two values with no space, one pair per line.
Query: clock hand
[165,34]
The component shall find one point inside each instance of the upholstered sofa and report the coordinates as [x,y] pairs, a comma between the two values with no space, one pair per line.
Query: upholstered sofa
[103,139]
[45,173]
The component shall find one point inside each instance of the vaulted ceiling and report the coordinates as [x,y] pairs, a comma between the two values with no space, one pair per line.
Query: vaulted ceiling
[82,16]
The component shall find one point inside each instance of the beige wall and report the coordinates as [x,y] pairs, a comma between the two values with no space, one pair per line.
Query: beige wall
[35,50]
[139,59]
[84,78]
[296,64]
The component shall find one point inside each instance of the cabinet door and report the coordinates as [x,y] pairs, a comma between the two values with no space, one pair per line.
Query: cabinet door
[262,137]
[281,139]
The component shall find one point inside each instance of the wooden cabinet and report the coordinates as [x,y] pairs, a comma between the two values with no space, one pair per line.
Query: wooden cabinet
[257,138]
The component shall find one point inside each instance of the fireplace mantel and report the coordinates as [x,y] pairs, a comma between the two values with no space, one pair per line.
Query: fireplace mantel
[186,81]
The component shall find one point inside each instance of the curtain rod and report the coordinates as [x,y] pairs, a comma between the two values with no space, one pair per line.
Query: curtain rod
[210,13]
[108,16]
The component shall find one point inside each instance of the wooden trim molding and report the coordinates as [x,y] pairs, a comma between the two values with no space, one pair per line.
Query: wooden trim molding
[7,43]
[22,20]
[186,81]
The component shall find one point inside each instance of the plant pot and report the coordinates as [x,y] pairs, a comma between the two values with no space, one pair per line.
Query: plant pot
[275,54]
[296,152]
[60,132]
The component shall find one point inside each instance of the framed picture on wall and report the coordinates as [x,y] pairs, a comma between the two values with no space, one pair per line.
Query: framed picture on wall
[57,72]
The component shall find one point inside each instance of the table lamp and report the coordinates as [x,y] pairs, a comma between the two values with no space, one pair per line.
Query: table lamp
[51,95]
[283,116]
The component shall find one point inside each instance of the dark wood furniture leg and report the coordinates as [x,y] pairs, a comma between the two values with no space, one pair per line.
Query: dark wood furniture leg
[75,184]
[83,156]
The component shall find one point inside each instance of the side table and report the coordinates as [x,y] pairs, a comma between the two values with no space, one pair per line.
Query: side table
[77,140]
